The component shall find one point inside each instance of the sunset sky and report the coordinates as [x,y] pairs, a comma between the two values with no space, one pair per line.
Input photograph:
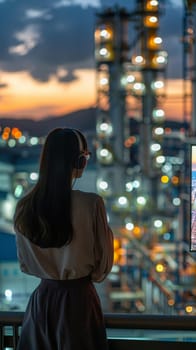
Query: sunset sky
[47,64]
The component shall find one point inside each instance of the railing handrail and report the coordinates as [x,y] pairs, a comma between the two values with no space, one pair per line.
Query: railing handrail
[161,322]
[123,321]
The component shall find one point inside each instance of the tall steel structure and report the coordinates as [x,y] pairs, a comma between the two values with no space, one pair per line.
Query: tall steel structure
[130,83]
[141,193]
[189,65]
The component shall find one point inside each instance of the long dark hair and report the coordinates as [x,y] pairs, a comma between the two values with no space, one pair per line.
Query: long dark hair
[44,214]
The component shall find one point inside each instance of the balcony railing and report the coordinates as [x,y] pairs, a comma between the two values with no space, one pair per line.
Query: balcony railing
[125,331]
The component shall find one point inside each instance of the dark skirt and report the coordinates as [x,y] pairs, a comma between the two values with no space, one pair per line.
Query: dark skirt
[63,315]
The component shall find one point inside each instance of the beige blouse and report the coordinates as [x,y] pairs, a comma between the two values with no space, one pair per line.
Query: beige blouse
[89,253]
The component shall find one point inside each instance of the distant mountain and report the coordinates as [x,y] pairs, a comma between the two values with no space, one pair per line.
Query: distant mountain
[84,120]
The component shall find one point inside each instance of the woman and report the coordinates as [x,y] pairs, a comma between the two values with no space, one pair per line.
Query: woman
[63,238]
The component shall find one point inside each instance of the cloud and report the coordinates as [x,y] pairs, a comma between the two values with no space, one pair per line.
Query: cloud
[27,38]
[42,36]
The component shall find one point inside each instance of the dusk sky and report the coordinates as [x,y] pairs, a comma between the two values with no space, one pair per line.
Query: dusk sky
[47,64]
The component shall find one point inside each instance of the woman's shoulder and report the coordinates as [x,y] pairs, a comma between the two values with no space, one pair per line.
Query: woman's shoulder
[86,196]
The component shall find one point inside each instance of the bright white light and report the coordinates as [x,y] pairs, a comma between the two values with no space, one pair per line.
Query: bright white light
[176,201]
[155,147]
[104,152]
[8,207]
[136,184]
[103,51]
[141,200]
[160,159]
[130,78]
[104,155]
[153,19]
[103,185]
[160,59]
[129,187]
[159,84]
[158,40]
[18,191]
[129,226]
[34,140]
[122,200]
[139,59]
[139,86]
[8,294]
[104,34]
[159,131]
[103,81]
[22,139]
[158,113]
[104,128]
[34,176]
[158,223]
[12,143]
[154,3]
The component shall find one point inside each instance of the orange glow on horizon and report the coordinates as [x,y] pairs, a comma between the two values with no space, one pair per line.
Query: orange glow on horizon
[24,97]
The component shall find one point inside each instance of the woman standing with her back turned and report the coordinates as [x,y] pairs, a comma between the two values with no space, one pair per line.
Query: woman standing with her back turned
[63,238]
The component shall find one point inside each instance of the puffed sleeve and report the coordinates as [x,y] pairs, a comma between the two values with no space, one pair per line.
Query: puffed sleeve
[103,246]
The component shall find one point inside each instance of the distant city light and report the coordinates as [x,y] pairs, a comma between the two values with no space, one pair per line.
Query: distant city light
[138,59]
[22,139]
[122,201]
[11,143]
[167,167]
[129,186]
[158,113]
[164,179]
[129,226]
[160,159]
[104,128]
[159,131]
[155,147]
[159,84]
[153,19]
[158,40]
[158,223]
[34,176]
[130,78]
[176,201]
[104,155]
[154,2]
[103,52]
[136,184]
[189,309]
[139,87]
[34,141]
[18,191]
[141,200]
[167,236]
[8,294]
[103,185]
[104,81]
[159,267]
[104,34]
